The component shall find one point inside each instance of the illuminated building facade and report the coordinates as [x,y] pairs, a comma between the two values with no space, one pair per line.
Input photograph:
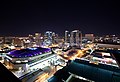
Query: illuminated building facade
[38,39]
[30,40]
[54,38]
[50,38]
[29,58]
[67,37]
[89,37]
[18,42]
[76,38]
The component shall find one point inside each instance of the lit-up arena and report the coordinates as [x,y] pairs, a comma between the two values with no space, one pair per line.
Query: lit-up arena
[29,58]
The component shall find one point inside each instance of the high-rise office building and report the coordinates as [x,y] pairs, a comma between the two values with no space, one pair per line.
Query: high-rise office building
[67,37]
[76,38]
[53,37]
[38,39]
[48,38]
[30,40]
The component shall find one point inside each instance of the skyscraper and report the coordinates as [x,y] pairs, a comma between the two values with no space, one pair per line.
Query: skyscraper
[30,40]
[67,37]
[76,38]
[48,38]
[37,39]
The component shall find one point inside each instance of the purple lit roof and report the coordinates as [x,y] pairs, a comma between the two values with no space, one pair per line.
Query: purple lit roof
[28,52]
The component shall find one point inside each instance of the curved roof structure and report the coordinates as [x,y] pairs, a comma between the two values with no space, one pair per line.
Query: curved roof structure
[28,52]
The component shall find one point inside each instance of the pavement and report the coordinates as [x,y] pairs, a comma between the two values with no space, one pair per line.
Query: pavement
[43,75]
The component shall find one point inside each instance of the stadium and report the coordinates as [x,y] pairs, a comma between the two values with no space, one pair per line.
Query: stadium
[29,58]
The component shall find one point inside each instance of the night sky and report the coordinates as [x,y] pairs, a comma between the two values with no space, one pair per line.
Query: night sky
[20,18]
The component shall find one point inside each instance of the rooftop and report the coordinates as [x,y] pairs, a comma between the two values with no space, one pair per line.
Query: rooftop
[28,52]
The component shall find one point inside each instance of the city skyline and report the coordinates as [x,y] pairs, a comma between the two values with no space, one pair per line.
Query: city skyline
[23,18]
